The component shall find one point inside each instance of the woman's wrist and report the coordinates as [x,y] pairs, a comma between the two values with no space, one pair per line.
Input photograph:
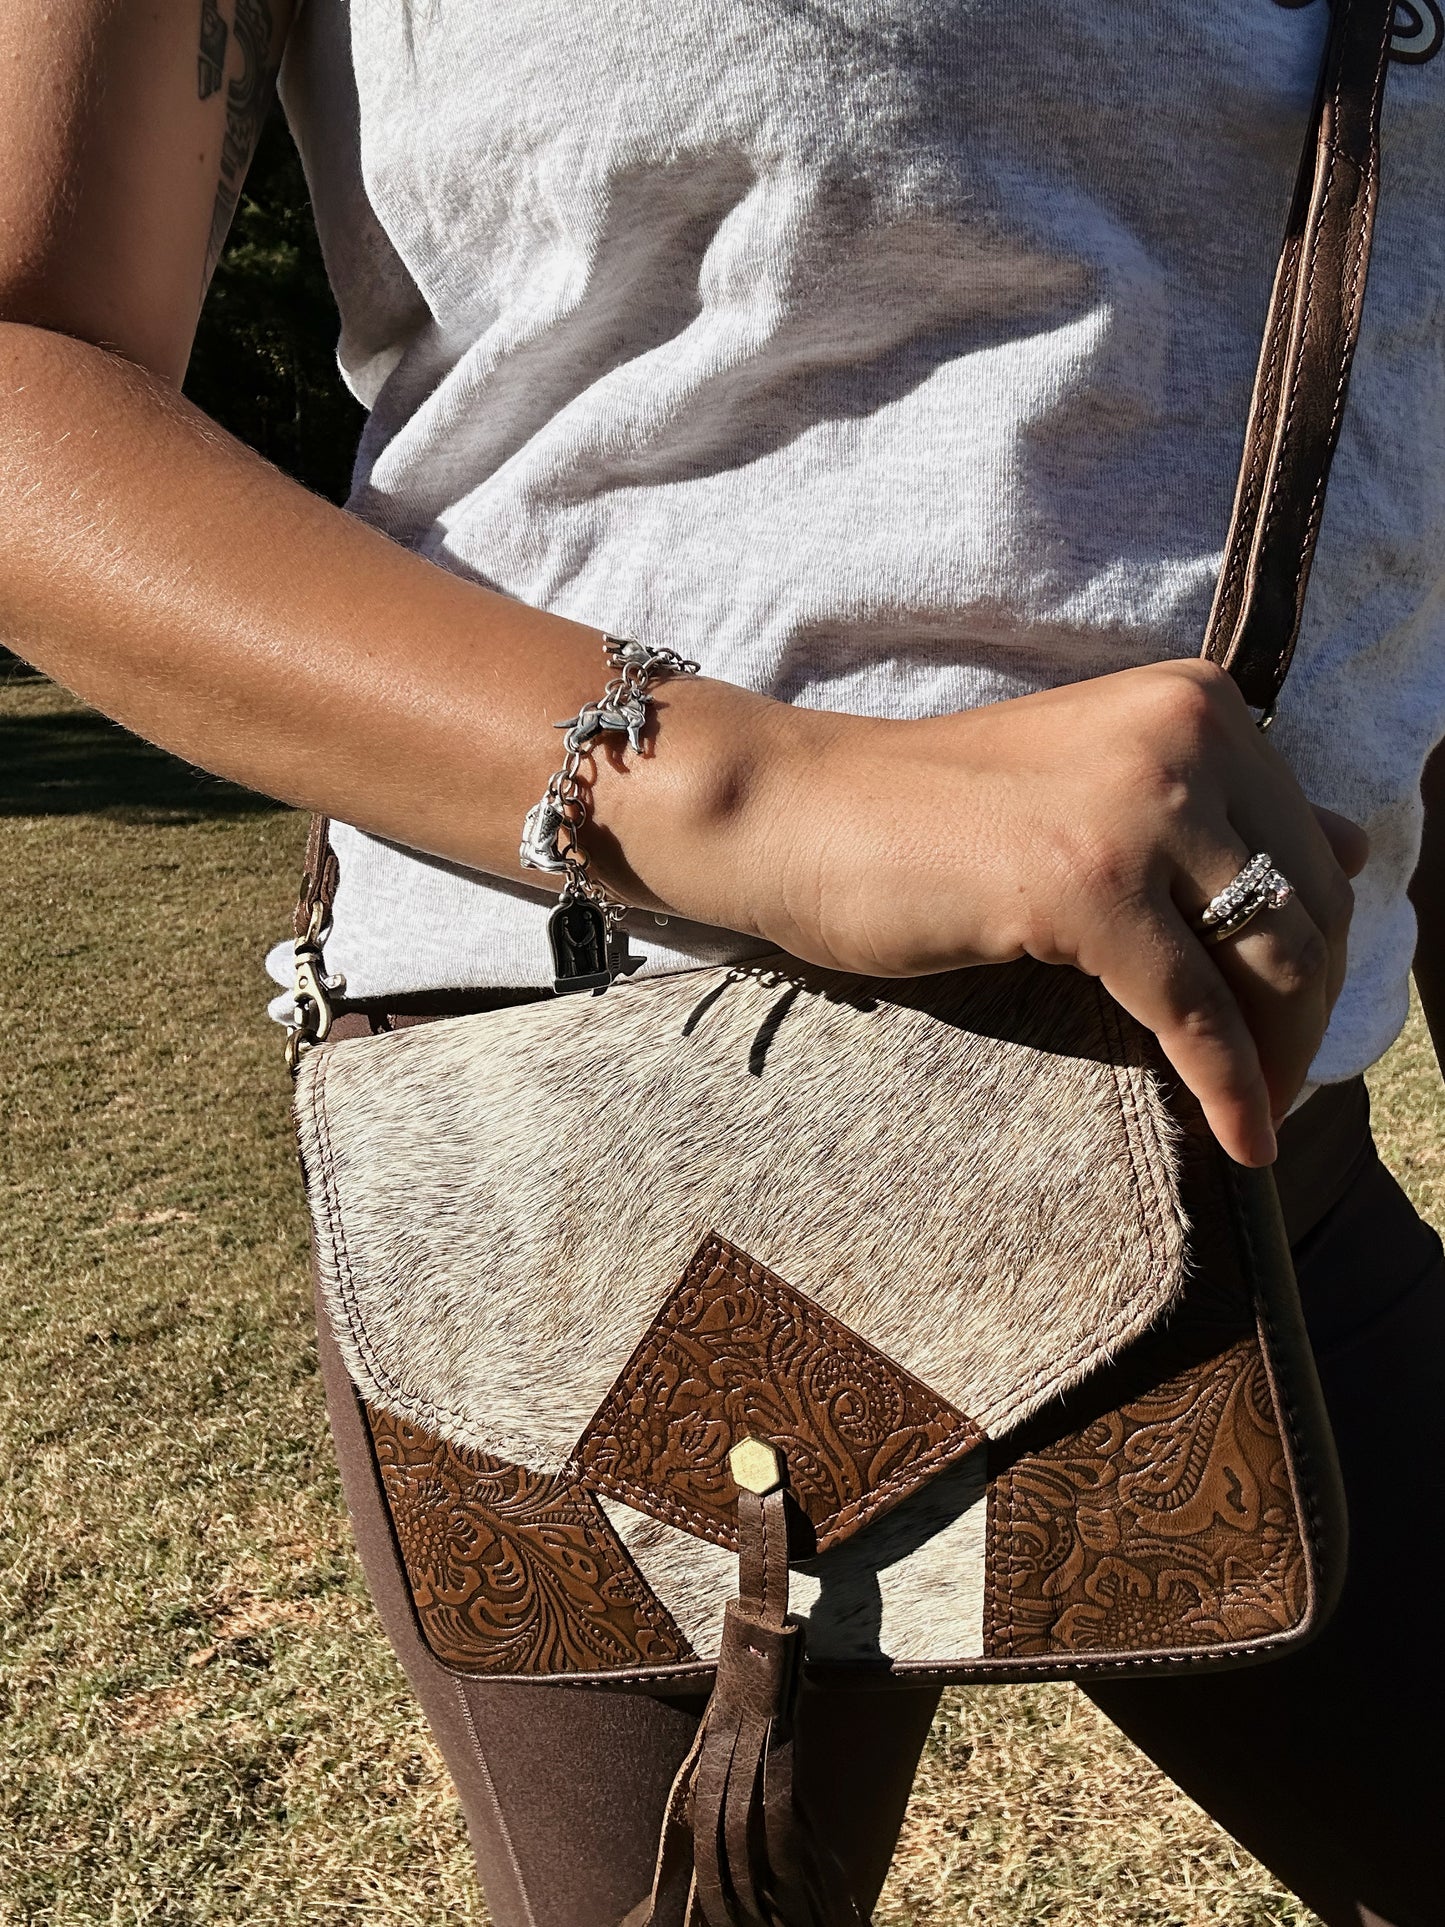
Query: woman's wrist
[694,825]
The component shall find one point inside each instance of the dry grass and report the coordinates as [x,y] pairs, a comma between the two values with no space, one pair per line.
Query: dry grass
[199,1722]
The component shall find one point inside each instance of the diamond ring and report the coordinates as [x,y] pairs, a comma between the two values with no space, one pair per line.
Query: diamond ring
[1259,886]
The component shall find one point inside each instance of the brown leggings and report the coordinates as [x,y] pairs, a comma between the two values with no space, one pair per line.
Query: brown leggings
[1325,1764]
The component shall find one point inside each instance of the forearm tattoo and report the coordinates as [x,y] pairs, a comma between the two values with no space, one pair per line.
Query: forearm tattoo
[211,63]
[248,96]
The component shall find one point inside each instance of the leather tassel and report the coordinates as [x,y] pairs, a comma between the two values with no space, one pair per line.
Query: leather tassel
[736,1850]
[758,1863]
[674,1884]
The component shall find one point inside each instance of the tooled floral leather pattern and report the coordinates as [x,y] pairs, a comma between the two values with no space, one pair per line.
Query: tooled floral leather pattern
[1166,1523]
[513,1571]
[735,1351]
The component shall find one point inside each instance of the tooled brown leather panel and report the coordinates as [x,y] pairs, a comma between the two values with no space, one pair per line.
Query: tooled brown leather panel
[512,1571]
[735,1351]
[1168,1522]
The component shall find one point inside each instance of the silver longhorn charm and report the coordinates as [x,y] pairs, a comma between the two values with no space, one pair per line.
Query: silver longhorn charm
[627,716]
[540,831]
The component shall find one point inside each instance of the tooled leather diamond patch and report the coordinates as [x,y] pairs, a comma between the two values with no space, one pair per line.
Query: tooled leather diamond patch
[735,1352]
[511,1571]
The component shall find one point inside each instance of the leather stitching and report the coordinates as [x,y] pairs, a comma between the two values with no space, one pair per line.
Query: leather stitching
[497,1808]
[1267,495]
[1302,1483]
[993,1640]
[1251,488]
[1276,494]
[452,1509]
[1125,1324]
[849,1518]
[1310,282]
[1008,1564]
[1317,501]
[1349,322]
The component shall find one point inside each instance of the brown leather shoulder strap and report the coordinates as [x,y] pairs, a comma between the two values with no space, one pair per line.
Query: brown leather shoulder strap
[1304,365]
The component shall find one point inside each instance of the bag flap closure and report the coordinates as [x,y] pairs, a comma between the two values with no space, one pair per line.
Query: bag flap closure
[879,1221]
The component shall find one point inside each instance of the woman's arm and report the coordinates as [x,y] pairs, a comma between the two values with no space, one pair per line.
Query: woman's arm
[1427,892]
[162,570]
[186,588]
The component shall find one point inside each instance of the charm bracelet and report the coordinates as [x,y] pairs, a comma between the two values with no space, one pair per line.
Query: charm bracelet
[587,943]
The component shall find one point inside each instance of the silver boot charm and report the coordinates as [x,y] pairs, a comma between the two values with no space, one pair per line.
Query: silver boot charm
[543,825]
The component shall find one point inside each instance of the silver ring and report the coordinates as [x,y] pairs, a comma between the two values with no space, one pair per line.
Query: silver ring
[1259,886]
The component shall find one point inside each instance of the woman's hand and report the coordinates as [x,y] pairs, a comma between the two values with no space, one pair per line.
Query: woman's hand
[1087,825]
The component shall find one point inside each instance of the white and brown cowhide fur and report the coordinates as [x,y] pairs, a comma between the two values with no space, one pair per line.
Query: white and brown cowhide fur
[975,1173]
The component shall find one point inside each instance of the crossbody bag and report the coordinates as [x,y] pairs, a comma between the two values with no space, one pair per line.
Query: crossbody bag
[761,1324]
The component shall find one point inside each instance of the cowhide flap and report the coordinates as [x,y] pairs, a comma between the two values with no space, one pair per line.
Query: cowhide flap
[974,1176]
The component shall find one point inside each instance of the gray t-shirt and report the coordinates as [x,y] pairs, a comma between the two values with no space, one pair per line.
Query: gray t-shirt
[884,355]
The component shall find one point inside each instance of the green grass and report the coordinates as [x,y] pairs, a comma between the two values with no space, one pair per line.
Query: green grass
[199,1721]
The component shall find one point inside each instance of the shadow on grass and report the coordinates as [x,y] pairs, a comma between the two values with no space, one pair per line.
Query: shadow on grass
[66,762]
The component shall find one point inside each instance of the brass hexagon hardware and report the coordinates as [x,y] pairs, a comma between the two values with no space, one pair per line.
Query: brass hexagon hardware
[756,1466]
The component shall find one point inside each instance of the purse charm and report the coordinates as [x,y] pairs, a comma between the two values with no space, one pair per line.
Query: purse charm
[589,946]
[581,946]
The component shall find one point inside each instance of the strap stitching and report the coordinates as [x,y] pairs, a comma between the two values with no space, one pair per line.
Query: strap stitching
[1230,613]
[1352,312]
[1350,329]
[1295,385]
[1316,509]
[1303,1485]
[1251,493]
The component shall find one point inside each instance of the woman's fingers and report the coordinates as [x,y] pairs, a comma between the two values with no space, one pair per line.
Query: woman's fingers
[1349,844]
[1241,1020]
[1161,973]
[1287,965]
[1283,975]
[1317,851]
[1099,820]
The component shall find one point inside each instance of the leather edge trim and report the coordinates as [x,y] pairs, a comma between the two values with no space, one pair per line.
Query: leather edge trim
[312,1123]
[1289,1362]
